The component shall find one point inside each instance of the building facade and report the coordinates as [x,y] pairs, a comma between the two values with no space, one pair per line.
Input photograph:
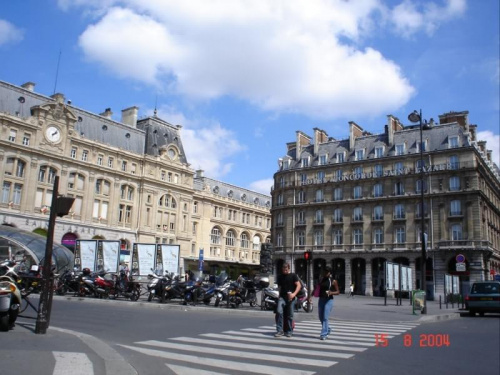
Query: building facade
[357,203]
[130,179]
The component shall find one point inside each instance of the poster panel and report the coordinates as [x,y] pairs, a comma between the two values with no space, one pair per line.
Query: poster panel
[110,253]
[87,251]
[170,258]
[448,286]
[389,275]
[410,278]
[396,276]
[456,282]
[404,279]
[144,258]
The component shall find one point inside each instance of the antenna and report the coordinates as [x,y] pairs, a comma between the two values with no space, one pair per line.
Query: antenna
[57,72]
[156,104]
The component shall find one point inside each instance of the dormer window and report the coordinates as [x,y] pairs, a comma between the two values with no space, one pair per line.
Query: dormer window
[379,152]
[360,154]
[340,157]
[322,159]
[304,162]
[422,146]
[453,142]
[400,149]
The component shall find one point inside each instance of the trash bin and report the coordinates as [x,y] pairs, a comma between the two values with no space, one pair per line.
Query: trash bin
[418,300]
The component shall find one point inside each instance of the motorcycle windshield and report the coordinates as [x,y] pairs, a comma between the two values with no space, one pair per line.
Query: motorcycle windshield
[221,279]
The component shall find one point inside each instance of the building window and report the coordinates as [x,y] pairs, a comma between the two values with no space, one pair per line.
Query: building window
[102,187]
[378,190]
[279,219]
[124,214]
[419,164]
[13,196]
[378,236]
[358,172]
[379,170]
[456,232]
[454,183]
[12,135]
[399,211]
[47,175]
[133,170]
[124,166]
[127,192]
[301,217]
[337,194]
[168,201]
[303,178]
[453,142]
[399,188]
[304,162]
[73,153]
[100,159]
[357,236]
[245,242]
[26,139]
[318,238]
[418,210]
[400,149]
[357,214]
[195,207]
[280,200]
[163,175]
[321,176]
[322,159]
[455,208]
[230,238]
[301,238]
[340,157]
[279,239]
[337,237]
[453,162]
[357,192]
[399,168]
[422,146]
[15,167]
[378,213]
[379,152]
[338,215]
[319,195]
[215,236]
[110,162]
[85,155]
[338,174]
[76,181]
[360,154]
[318,217]
[100,210]
[400,235]
[419,186]
[301,196]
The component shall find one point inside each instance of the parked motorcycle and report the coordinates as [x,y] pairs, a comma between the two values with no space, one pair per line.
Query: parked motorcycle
[68,281]
[157,284]
[10,296]
[221,291]
[125,286]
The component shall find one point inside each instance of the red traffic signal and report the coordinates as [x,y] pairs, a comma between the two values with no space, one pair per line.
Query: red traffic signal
[308,255]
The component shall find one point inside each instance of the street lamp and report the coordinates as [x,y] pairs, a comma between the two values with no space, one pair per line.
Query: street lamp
[417,117]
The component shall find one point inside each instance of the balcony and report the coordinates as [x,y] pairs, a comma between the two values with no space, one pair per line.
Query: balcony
[300,223]
[319,222]
[377,218]
[399,217]
[463,245]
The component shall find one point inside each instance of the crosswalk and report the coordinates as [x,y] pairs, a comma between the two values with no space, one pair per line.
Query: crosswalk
[255,350]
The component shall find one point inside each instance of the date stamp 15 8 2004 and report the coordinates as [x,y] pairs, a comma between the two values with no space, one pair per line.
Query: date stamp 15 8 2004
[424,340]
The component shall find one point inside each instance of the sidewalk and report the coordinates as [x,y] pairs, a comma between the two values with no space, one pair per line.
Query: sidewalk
[373,309]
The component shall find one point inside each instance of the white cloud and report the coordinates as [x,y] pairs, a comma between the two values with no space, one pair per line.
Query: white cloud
[262,186]
[492,143]
[9,33]
[207,144]
[408,19]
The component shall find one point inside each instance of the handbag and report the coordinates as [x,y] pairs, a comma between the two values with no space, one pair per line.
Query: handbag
[316,290]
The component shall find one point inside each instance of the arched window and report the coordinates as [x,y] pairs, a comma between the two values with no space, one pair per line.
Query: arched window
[47,174]
[15,167]
[76,181]
[256,242]
[127,192]
[102,187]
[167,201]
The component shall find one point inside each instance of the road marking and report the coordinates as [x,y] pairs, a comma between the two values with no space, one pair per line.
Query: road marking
[183,370]
[221,363]
[72,363]
[268,349]
[352,336]
[239,354]
[272,341]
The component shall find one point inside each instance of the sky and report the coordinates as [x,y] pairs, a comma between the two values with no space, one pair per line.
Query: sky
[242,76]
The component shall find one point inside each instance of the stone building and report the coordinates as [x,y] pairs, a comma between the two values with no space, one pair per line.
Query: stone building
[357,203]
[130,179]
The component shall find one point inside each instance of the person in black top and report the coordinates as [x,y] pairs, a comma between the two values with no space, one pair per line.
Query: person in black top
[289,286]
[328,288]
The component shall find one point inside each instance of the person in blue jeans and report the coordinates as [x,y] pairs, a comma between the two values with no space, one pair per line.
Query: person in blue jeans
[328,288]
[289,285]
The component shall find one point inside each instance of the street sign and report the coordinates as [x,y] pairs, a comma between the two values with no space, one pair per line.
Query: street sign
[461,267]
[200,266]
[460,258]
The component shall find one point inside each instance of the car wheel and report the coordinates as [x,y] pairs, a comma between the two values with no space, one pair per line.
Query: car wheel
[481,314]
[472,313]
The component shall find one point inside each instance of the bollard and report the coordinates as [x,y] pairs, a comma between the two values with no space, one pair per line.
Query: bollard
[439,302]
[446,301]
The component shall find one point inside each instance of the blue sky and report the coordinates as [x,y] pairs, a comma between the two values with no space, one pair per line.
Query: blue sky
[242,76]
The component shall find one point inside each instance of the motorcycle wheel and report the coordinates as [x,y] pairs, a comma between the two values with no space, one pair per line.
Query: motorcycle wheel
[136,292]
[61,290]
[217,302]
[150,297]
[163,296]
[308,307]
[4,322]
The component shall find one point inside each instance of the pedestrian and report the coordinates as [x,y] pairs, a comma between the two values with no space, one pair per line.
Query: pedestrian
[328,288]
[351,290]
[289,286]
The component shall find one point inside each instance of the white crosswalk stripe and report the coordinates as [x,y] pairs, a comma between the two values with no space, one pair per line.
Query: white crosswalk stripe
[72,363]
[256,350]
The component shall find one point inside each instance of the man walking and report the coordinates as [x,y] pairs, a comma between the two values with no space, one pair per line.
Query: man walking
[289,286]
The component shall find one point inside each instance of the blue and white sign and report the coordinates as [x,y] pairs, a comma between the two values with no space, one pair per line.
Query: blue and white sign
[200,267]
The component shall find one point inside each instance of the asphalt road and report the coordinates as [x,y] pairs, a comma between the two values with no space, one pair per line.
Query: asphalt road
[160,339]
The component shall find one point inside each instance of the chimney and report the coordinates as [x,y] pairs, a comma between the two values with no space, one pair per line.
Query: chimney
[107,113]
[488,154]
[320,136]
[302,141]
[393,125]
[199,173]
[355,131]
[59,98]
[30,86]
[129,116]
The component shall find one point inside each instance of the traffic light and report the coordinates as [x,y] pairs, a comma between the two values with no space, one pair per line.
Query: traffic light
[308,255]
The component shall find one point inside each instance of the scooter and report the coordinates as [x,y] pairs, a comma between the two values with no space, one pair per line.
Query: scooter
[10,296]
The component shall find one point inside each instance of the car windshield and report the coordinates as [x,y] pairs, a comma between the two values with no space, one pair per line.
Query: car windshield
[485,288]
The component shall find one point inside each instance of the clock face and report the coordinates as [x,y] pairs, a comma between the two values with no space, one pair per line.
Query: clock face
[53,134]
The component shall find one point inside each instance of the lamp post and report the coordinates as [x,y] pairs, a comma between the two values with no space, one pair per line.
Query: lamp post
[417,117]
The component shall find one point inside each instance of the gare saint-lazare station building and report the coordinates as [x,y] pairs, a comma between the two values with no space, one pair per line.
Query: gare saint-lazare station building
[356,204]
[131,181]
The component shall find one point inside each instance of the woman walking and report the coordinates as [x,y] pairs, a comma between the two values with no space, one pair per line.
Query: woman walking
[328,289]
